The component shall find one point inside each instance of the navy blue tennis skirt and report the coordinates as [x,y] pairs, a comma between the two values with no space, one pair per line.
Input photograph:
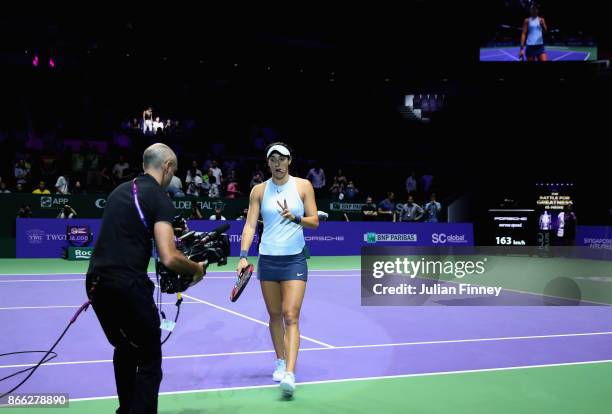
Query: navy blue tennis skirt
[535,50]
[281,268]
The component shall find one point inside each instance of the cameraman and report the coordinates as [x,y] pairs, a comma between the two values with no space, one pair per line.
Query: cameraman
[122,296]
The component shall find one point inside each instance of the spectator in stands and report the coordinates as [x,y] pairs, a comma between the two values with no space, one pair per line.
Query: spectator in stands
[194,182]
[207,162]
[61,185]
[193,171]
[259,171]
[175,188]
[41,189]
[217,215]
[27,161]
[196,213]
[411,184]
[231,176]
[19,188]
[217,173]
[410,211]
[21,173]
[48,167]
[77,188]
[336,190]
[386,208]
[341,179]
[77,164]
[3,189]
[206,182]
[93,168]
[147,120]
[257,179]
[233,191]
[67,212]
[351,191]
[243,215]
[316,175]
[214,187]
[158,126]
[323,216]
[25,211]
[108,180]
[135,125]
[120,168]
[433,209]
[369,211]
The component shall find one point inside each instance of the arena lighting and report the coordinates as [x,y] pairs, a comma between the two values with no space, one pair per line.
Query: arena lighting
[51,63]
[35,61]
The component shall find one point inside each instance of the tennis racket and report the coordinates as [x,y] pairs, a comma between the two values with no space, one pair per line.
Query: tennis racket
[243,279]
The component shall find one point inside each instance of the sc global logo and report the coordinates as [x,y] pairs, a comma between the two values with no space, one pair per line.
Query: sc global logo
[443,238]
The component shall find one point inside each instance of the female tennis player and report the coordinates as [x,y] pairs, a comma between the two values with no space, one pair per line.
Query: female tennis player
[287,205]
[532,35]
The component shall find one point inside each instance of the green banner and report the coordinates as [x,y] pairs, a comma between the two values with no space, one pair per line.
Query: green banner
[340,211]
[78,253]
[92,206]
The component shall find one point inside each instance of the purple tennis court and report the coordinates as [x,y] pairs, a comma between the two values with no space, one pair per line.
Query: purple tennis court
[222,345]
[555,53]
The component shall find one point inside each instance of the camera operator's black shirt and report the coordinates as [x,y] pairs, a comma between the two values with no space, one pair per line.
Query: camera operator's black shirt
[123,248]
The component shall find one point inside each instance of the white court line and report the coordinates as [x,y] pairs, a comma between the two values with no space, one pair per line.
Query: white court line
[424,374]
[42,280]
[341,347]
[490,56]
[251,319]
[71,306]
[587,56]
[562,56]
[508,54]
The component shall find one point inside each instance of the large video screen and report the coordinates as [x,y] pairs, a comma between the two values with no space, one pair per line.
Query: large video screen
[530,31]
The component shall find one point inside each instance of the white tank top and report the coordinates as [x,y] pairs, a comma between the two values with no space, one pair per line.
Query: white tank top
[281,237]
[534,33]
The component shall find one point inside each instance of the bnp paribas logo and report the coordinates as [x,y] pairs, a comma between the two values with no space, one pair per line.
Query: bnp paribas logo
[378,237]
[370,237]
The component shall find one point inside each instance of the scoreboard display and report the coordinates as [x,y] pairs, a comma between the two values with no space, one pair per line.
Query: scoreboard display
[512,227]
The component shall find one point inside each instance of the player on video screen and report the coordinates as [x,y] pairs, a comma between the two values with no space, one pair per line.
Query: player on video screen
[532,37]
